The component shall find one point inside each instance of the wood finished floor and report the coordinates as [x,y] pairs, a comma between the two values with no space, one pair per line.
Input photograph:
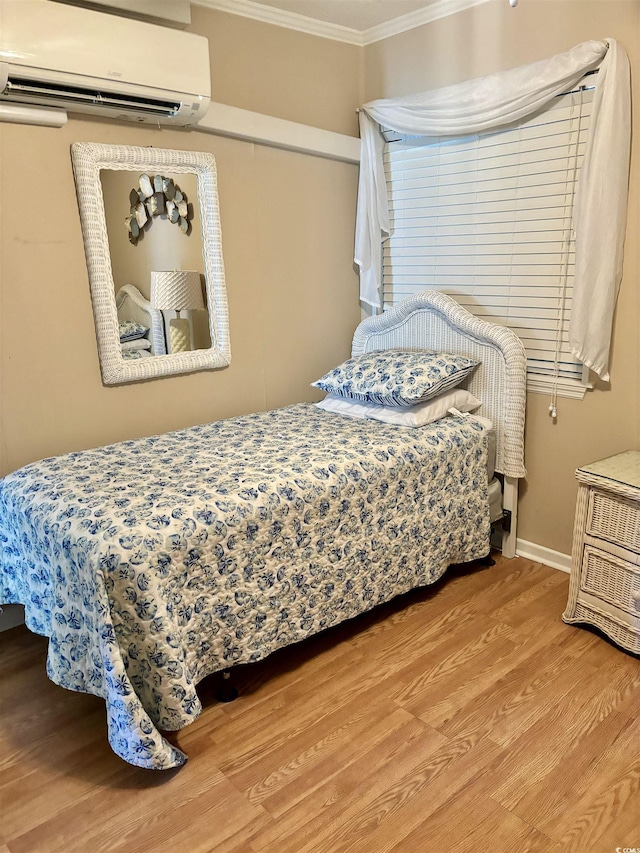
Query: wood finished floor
[464,717]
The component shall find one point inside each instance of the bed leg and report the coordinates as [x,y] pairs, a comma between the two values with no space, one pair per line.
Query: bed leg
[510,502]
[226,692]
[487,561]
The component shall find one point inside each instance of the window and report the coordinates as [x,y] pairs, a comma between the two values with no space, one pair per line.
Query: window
[488,220]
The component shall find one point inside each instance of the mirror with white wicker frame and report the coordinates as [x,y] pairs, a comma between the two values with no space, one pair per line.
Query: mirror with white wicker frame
[151,227]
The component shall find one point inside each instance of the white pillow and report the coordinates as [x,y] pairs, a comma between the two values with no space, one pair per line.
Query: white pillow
[138,344]
[411,416]
[346,406]
[429,411]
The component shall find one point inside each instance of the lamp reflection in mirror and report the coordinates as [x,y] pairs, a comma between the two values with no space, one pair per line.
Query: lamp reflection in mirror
[173,292]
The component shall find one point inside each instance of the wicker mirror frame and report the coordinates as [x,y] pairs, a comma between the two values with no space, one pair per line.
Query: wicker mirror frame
[88,160]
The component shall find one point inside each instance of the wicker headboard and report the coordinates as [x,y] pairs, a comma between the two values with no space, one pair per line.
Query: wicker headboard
[432,320]
[132,305]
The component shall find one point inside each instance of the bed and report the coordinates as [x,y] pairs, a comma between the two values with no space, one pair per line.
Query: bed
[132,307]
[152,563]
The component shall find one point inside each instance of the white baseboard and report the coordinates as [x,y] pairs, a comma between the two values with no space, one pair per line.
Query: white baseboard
[540,554]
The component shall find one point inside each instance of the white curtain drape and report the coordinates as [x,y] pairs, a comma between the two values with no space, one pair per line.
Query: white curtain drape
[499,99]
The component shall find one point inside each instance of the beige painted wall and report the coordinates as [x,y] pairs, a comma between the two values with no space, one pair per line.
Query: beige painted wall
[493,37]
[282,72]
[287,224]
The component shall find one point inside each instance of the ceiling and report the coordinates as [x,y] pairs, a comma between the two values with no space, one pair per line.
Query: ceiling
[355,21]
[356,14]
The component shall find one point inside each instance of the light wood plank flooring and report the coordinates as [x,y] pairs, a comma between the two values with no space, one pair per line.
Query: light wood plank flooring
[464,717]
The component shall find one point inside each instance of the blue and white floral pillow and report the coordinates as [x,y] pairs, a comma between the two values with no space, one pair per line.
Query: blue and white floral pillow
[396,377]
[135,354]
[131,331]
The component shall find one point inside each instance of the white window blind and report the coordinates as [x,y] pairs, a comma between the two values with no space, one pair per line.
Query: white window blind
[488,220]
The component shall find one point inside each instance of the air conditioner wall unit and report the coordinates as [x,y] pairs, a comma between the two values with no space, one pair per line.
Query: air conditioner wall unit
[167,13]
[90,62]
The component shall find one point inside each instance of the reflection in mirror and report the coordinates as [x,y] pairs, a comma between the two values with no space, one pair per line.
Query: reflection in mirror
[152,254]
[151,229]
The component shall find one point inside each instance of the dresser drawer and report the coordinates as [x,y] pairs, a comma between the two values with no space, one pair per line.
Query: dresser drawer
[611,579]
[615,519]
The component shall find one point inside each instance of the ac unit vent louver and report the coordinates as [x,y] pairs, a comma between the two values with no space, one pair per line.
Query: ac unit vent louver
[28,91]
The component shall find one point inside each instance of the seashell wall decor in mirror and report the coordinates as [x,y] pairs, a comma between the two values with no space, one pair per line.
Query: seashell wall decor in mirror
[157,286]
[155,198]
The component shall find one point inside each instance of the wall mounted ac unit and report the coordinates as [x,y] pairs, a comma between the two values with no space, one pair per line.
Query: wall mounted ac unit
[89,62]
[167,13]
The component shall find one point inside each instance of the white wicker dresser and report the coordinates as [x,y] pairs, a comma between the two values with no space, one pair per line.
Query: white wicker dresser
[605,568]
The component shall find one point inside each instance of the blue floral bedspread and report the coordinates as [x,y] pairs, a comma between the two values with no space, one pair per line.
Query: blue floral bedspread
[152,563]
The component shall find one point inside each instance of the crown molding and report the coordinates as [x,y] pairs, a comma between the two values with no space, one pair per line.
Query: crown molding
[280,18]
[435,10]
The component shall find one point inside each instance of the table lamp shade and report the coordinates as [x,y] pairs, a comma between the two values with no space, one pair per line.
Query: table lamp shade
[176,290]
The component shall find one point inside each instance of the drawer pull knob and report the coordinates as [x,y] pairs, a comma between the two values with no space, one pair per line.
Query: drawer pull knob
[635,597]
